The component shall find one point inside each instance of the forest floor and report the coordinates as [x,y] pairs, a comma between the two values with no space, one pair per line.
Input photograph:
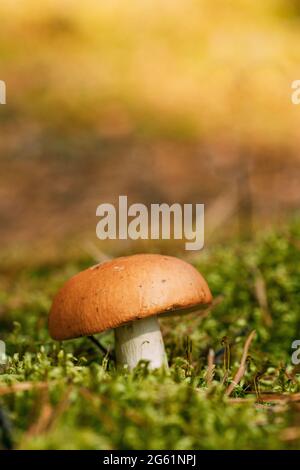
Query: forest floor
[68,395]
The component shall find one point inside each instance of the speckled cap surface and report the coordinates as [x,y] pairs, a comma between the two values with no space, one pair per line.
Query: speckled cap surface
[125,289]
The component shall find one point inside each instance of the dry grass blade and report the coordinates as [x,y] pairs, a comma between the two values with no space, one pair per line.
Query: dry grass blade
[210,366]
[23,387]
[241,370]
[226,344]
[222,209]
[281,397]
[261,296]
[60,409]
[278,399]
[41,424]
[275,406]
[98,255]
[47,417]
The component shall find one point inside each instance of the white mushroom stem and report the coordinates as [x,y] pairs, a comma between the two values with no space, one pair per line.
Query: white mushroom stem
[140,340]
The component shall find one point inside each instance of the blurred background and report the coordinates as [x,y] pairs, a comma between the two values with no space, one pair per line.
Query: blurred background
[163,101]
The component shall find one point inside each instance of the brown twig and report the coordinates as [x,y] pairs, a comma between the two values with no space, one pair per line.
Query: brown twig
[242,369]
[23,387]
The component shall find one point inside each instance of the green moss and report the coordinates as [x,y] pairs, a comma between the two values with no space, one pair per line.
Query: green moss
[80,401]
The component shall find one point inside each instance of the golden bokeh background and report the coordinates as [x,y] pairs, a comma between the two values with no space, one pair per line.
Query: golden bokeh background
[174,101]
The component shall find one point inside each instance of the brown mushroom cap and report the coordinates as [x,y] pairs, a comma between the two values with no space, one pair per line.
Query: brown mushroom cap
[123,290]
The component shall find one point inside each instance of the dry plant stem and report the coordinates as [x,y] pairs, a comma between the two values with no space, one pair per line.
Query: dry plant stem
[140,340]
[99,345]
[226,359]
[24,386]
[262,298]
[210,366]
[241,370]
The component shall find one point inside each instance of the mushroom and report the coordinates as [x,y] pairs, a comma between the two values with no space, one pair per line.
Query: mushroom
[128,294]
